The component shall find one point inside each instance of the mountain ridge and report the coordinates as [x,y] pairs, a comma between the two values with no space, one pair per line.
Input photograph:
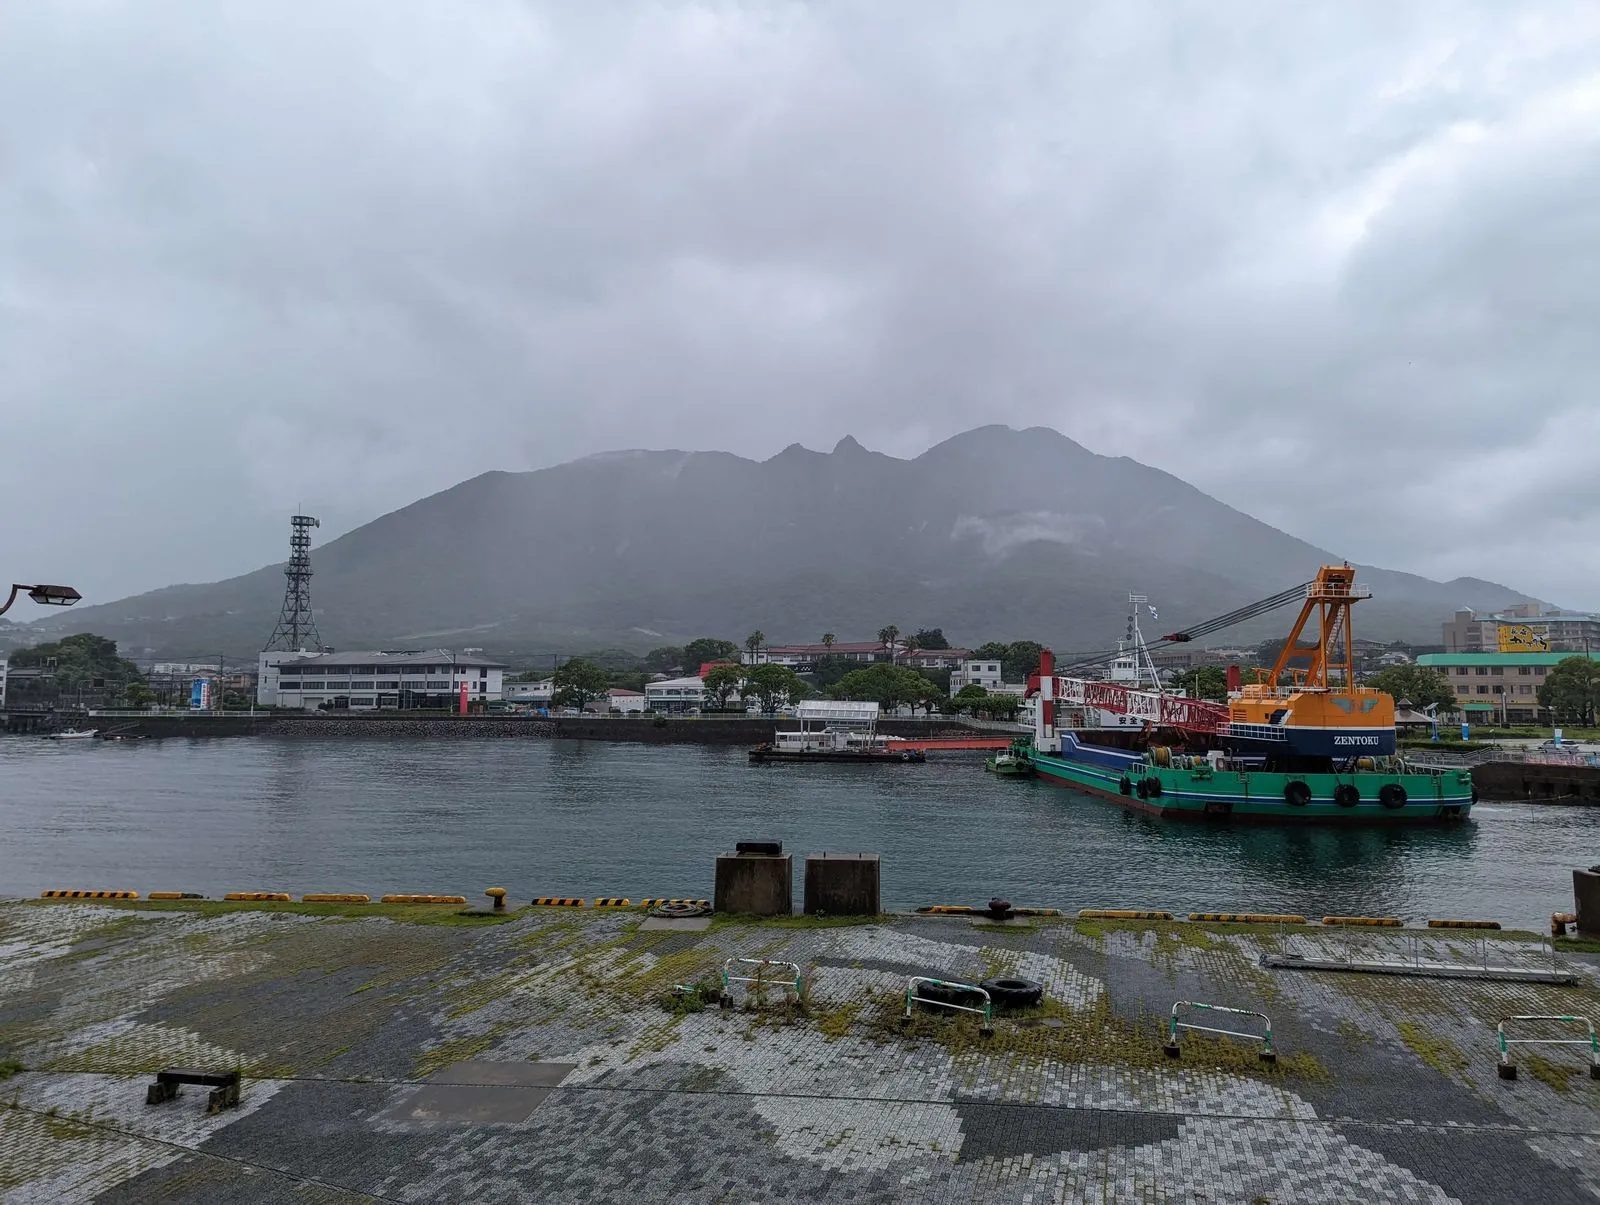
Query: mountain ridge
[994,533]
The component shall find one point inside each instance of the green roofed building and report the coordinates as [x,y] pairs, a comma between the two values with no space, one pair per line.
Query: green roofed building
[1500,687]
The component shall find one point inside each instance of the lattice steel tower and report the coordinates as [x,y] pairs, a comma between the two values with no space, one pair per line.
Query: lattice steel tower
[296,624]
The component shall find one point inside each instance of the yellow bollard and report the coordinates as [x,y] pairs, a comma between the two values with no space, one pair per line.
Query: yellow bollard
[498,895]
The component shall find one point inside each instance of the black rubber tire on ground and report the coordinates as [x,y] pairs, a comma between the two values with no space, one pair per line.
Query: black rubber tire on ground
[1013,991]
[1346,795]
[1297,793]
[940,993]
[1125,785]
[1152,787]
[680,911]
[1393,795]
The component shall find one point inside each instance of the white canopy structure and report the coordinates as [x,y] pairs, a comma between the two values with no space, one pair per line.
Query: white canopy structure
[836,711]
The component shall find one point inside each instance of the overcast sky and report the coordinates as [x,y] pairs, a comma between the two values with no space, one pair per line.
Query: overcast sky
[1338,265]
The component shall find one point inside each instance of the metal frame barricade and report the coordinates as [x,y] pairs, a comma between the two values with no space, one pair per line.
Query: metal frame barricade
[1508,1069]
[986,1012]
[728,977]
[1268,1054]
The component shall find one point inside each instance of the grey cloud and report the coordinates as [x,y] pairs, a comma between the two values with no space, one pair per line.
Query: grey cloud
[1335,266]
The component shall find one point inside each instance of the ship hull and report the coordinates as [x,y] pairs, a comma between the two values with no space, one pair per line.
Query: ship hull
[898,758]
[1256,796]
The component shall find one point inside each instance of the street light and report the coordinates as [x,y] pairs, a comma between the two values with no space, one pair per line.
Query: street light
[45,596]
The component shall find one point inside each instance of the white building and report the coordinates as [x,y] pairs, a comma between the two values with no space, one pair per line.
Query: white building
[532,694]
[976,673]
[364,681]
[622,700]
[675,694]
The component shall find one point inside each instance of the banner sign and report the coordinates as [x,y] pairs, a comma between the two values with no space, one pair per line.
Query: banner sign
[1524,637]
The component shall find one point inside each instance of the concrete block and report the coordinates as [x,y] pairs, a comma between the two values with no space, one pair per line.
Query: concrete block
[1586,897]
[842,884]
[755,885]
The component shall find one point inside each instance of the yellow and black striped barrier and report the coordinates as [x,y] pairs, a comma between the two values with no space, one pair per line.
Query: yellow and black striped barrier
[1463,924]
[336,898]
[947,910]
[175,895]
[557,901]
[1249,918]
[1371,922]
[52,894]
[1121,914]
[423,899]
[1036,911]
[612,901]
[261,897]
[661,902]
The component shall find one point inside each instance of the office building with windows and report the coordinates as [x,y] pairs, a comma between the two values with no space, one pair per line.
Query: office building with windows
[362,681]
[1498,687]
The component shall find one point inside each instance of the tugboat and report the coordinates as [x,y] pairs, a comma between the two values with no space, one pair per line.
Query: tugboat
[836,731]
[1300,745]
[1013,763]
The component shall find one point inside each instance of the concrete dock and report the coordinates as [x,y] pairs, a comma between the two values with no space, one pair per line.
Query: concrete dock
[416,1054]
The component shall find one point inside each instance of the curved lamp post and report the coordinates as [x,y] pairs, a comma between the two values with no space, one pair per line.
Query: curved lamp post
[45,596]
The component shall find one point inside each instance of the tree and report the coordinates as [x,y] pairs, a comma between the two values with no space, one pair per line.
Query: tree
[139,696]
[707,648]
[77,664]
[968,698]
[664,659]
[754,641]
[887,637]
[890,686]
[1204,682]
[1021,659]
[721,682]
[827,643]
[578,683]
[993,651]
[773,686]
[998,707]
[1571,691]
[1420,685]
[931,638]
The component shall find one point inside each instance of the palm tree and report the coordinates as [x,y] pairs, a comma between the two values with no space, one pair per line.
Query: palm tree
[753,642]
[888,636]
[827,643]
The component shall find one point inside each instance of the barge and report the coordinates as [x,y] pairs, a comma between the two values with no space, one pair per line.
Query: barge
[836,731]
[1303,744]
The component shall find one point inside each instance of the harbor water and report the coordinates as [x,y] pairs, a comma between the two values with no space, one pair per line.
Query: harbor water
[589,818]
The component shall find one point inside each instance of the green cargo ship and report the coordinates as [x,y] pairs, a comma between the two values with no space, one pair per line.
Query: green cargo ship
[1303,744]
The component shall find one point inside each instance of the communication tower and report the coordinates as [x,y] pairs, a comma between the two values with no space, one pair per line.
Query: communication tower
[296,625]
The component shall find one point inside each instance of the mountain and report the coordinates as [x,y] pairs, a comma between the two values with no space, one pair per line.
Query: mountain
[993,534]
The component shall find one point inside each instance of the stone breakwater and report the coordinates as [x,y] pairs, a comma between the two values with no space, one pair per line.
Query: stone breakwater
[424,1054]
[470,727]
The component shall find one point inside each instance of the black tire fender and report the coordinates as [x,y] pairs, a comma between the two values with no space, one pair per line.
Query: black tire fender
[1125,786]
[1392,795]
[1152,787]
[1141,790]
[1013,991]
[1346,795]
[1297,793]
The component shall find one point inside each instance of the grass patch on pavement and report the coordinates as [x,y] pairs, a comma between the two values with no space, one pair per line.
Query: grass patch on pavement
[452,915]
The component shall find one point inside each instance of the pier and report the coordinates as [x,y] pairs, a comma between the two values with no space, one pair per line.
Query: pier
[391,1053]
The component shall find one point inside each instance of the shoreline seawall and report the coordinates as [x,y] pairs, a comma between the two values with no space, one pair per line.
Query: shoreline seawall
[736,730]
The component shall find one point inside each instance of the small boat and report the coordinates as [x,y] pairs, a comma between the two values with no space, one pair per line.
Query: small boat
[836,731]
[1013,763]
[72,734]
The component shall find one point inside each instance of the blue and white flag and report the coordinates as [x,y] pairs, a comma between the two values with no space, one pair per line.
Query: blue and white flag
[1153,614]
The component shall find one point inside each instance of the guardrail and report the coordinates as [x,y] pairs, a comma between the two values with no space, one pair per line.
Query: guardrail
[1508,1069]
[1267,1053]
[791,984]
[986,1012]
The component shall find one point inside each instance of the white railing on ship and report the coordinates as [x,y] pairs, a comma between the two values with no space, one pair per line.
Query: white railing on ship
[1260,732]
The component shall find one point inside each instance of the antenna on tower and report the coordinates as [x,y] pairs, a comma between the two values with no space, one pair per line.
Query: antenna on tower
[296,624]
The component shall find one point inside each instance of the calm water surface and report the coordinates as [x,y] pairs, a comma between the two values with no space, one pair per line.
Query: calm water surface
[585,818]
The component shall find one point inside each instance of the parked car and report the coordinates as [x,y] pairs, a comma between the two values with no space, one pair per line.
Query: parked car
[1561,746]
